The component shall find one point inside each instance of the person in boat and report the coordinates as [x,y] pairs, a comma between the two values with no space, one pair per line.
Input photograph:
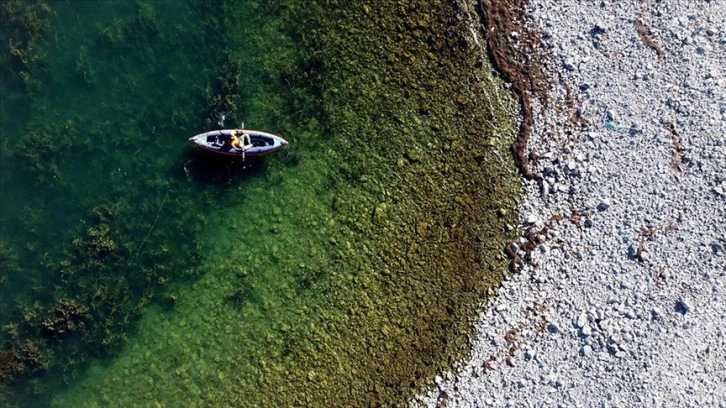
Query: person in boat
[240,141]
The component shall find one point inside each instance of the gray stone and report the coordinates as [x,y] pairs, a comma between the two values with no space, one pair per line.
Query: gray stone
[604,205]
[601,27]
[581,320]
[683,306]
[604,324]
[569,64]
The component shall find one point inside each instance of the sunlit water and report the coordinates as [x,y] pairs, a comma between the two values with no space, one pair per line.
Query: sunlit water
[213,282]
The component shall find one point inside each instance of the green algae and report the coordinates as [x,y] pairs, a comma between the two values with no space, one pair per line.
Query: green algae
[408,104]
[345,271]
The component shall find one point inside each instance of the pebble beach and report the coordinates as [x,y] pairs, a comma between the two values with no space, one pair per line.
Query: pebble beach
[620,296]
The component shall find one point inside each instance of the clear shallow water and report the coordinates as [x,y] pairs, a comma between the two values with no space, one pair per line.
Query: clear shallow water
[142,271]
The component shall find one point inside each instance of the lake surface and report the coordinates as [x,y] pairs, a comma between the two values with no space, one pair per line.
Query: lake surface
[346,269]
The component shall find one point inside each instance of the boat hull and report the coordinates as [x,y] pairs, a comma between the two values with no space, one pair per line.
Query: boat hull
[215,141]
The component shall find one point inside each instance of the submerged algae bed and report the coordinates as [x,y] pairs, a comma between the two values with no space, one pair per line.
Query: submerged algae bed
[94,225]
[412,102]
[346,270]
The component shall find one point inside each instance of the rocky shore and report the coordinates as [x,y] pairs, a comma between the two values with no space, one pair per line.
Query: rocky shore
[620,295]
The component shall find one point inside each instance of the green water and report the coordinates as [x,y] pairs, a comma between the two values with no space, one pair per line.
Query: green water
[344,271]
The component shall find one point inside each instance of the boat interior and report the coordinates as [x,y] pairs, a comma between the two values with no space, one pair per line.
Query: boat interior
[257,141]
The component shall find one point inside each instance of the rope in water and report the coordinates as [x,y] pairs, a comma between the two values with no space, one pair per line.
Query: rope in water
[153,225]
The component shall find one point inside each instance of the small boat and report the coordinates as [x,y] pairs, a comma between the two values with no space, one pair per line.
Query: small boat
[217,141]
